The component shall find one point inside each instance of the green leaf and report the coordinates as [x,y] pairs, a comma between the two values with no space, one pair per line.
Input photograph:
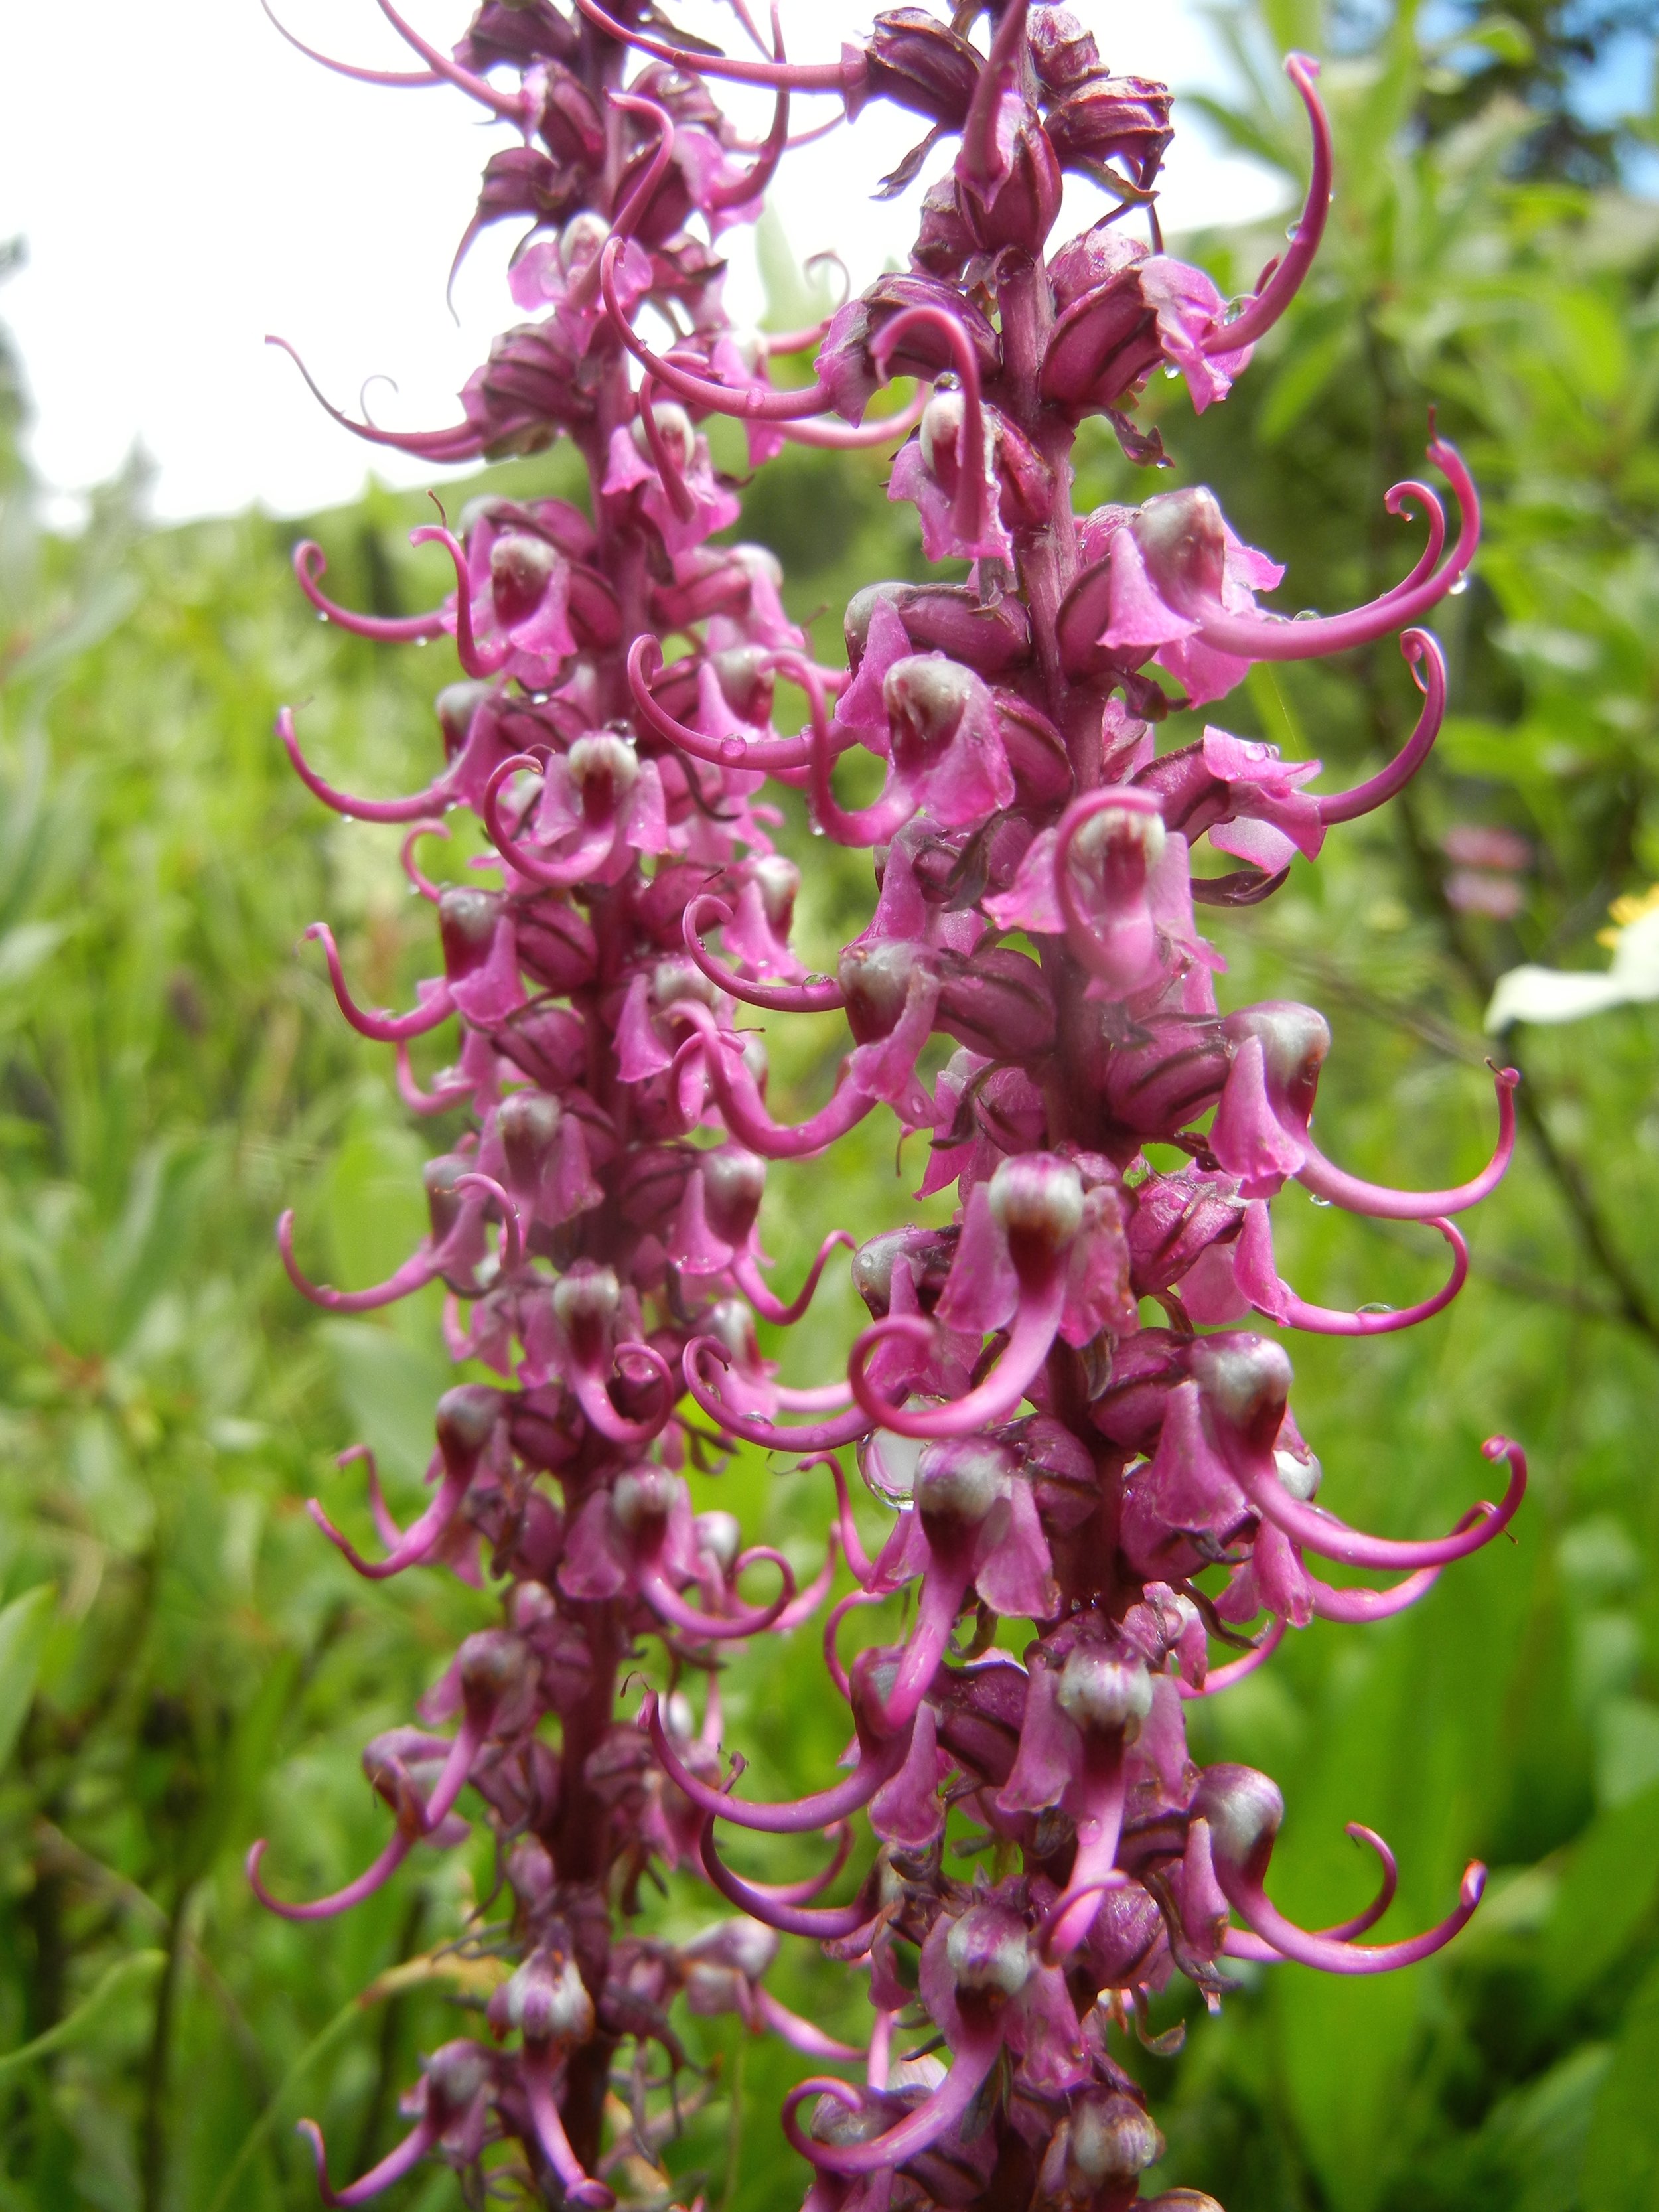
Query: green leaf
[24,1627]
[1622,2164]
[1606,1891]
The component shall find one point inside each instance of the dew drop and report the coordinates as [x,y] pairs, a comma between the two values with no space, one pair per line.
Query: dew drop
[1459,588]
[1313,1200]
[423,641]
[1377,1309]
[321,616]
[347,817]
[1171,370]
[1305,614]
[1295,231]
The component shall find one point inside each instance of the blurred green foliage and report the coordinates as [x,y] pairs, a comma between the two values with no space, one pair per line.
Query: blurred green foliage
[184,1665]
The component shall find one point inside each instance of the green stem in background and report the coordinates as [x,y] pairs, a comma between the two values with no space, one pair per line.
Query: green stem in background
[128,1973]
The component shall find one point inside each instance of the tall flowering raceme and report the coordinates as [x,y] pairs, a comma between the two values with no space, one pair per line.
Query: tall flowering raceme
[1140,1495]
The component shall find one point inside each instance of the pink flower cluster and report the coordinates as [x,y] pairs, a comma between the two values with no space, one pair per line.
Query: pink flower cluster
[1138,1494]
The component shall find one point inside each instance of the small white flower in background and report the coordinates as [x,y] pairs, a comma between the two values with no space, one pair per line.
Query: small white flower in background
[1552,994]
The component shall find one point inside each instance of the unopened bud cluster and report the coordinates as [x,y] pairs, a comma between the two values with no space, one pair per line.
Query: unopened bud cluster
[1135,1489]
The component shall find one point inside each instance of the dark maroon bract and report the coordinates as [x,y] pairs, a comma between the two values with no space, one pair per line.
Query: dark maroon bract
[1044,1453]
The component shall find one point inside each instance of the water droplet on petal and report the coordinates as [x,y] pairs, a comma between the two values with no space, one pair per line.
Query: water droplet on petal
[321,616]
[1315,1199]
[1377,1309]
[1459,588]
[1305,614]
[1171,370]
[1294,231]
[347,817]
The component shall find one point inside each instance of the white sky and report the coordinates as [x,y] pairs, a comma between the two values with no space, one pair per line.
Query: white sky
[192,183]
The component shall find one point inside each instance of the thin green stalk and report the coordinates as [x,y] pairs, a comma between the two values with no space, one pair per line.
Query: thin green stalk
[126,1974]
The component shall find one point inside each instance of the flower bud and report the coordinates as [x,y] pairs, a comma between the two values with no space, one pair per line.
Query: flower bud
[582,237]
[1300,1477]
[642,1496]
[1037,1200]
[720,1535]
[443,1205]
[747,683]
[1112,2140]
[547,2001]
[988,1953]
[925,696]
[587,1298]
[1062,52]
[959,1479]
[743,1944]
[919,63]
[1120,846]
[604,768]
[732,1325]
[676,979]
[1104,118]
[1244,1810]
[734,1184]
[465,1420]
[1103,1693]
[1294,1042]
[928,1254]
[876,980]
[674,430]
[1182,539]
[453,2076]
[527,1121]
[521,567]
[466,928]
[1246,1380]
[455,706]
[778,882]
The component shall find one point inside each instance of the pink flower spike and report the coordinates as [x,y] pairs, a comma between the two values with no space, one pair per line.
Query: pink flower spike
[1333,1540]
[750,405]
[310,563]
[765,1301]
[385,1029]
[416,1271]
[1423,651]
[1223,1678]
[1240,1944]
[818,994]
[399,2161]
[795,1817]
[1330,1183]
[1244,1810]
[419,804]
[822,1922]
[1327,1320]
[845,76]
[1264,310]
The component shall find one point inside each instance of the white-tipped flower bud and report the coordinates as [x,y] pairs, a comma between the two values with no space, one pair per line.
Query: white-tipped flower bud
[720,1535]
[604,768]
[960,1479]
[988,1952]
[640,1497]
[1037,1200]
[1104,1693]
